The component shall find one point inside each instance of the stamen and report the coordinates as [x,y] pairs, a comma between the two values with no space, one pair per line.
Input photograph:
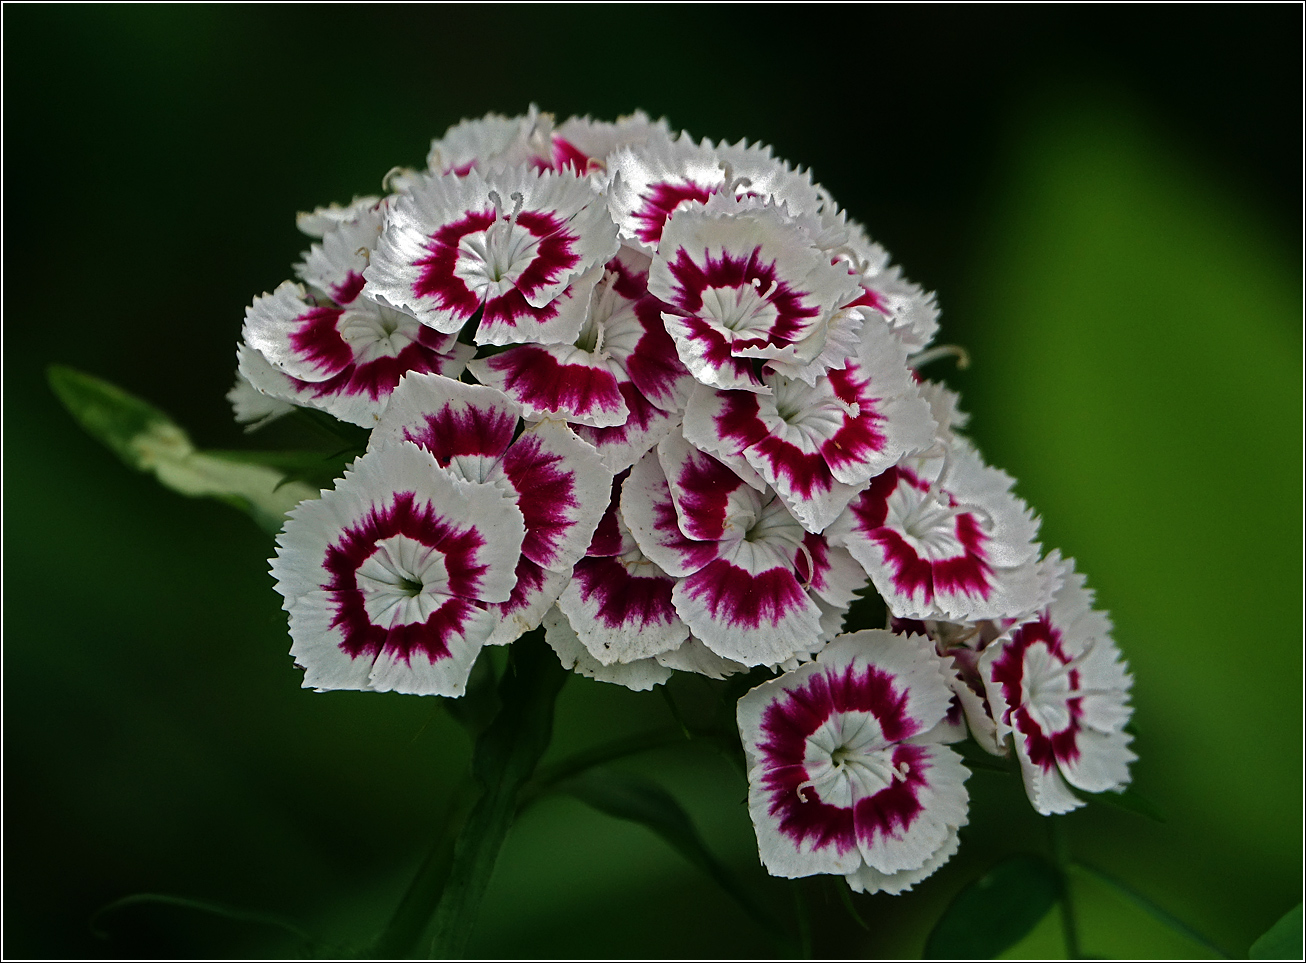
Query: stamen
[387,182]
[810,784]
[731,185]
[516,196]
[842,250]
[922,358]
[365,253]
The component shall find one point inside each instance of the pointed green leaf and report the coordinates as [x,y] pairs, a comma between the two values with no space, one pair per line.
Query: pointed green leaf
[995,911]
[627,796]
[1282,941]
[149,441]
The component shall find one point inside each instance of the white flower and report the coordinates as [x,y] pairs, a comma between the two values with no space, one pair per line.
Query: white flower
[749,581]
[846,774]
[942,537]
[552,478]
[818,445]
[742,285]
[389,577]
[1059,688]
[523,248]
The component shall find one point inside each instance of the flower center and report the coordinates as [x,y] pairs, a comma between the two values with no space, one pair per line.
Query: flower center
[403,581]
[740,309]
[490,261]
[374,331]
[927,520]
[1050,684]
[847,759]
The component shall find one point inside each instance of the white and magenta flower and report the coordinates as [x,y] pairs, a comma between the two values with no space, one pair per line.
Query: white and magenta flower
[620,384]
[345,359]
[1058,686]
[818,445]
[618,601]
[651,181]
[846,775]
[495,142]
[521,248]
[943,537]
[748,577]
[390,577]
[744,286]
[552,478]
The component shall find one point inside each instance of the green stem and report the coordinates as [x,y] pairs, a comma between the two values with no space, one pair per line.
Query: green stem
[1061,855]
[804,920]
[503,761]
[222,910]
[1146,905]
[413,913]
[550,776]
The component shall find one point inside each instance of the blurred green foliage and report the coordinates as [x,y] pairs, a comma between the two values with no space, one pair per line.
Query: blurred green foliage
[1108,203]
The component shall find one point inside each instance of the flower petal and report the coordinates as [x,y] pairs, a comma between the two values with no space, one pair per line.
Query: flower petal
[534,594]
[559,380]
[562,490]
[466,427]
[871,880]
[335,265]
[622,445]
[620,608]
[640,675]
[693,656]
[649,511]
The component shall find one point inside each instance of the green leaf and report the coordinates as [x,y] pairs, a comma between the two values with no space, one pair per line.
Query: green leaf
[1131,895]
[627,796]
[1282,941]
[314,468]
[149,441]
[995,911]
[503,761]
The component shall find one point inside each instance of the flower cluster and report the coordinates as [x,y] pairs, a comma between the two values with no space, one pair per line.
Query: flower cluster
[662,397]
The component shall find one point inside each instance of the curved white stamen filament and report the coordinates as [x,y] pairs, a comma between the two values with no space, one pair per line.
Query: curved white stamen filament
[922,358]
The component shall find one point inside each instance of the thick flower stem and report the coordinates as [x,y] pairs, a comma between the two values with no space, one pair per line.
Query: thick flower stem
[503,761]
[413,913]
[1061,856]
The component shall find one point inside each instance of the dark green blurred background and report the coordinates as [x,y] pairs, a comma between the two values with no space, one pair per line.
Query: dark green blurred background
[1107,200]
